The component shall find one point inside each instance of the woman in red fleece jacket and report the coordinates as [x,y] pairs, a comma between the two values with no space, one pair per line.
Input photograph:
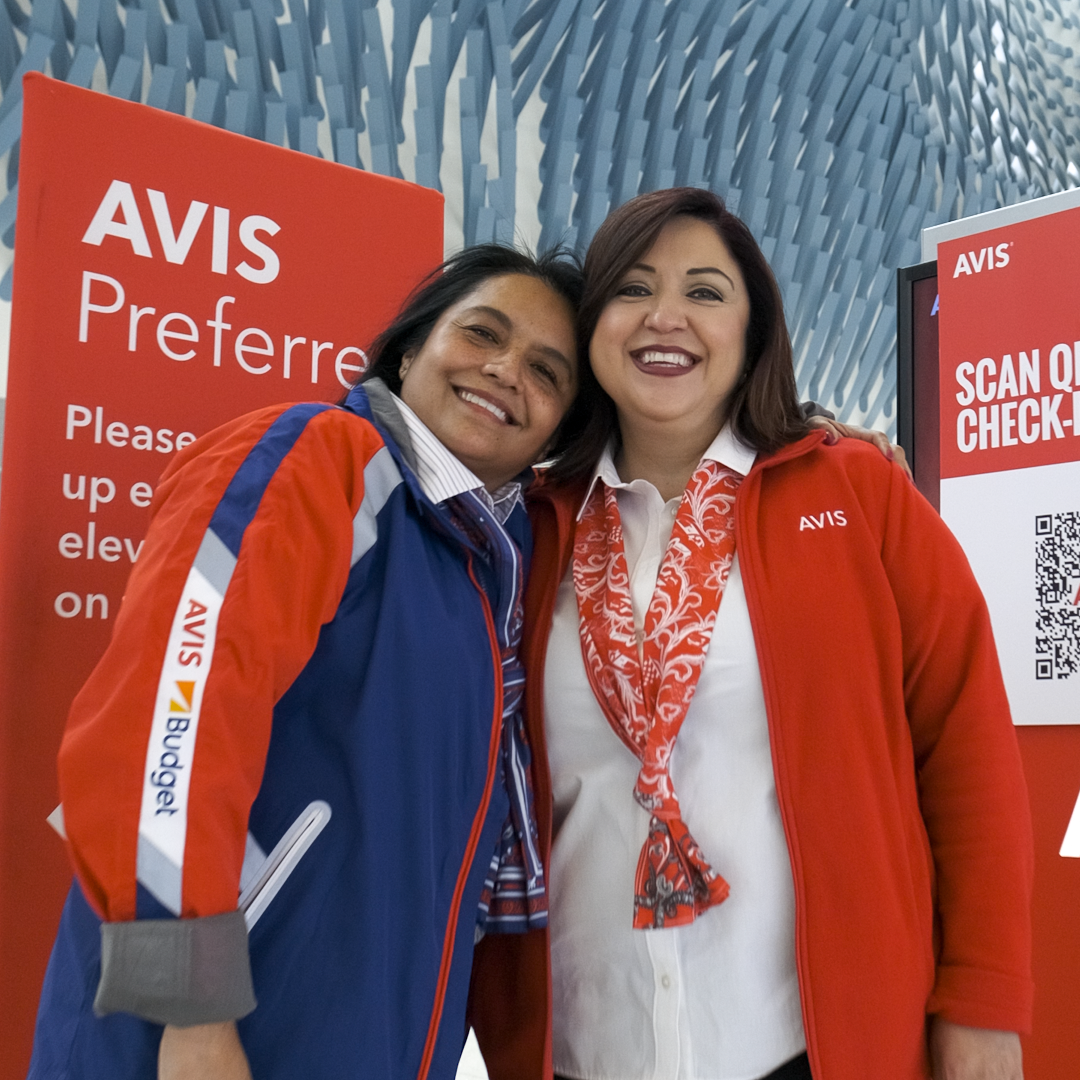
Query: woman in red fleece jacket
[825,871]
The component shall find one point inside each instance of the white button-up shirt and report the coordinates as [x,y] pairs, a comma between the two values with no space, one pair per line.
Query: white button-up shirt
[442,476]
[718,999]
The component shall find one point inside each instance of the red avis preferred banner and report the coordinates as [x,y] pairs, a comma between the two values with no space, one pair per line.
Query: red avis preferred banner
[1010,346]
[168,277]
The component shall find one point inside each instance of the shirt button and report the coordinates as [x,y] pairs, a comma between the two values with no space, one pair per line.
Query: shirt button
[665,982]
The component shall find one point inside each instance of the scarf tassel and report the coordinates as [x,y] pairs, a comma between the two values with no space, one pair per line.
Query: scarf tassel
[674,883]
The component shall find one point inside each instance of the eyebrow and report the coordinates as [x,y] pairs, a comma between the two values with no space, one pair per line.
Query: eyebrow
[499,316]
[507,323]
[693,270]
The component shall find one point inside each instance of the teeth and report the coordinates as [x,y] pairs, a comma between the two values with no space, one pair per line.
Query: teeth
[476,399]
[671,359]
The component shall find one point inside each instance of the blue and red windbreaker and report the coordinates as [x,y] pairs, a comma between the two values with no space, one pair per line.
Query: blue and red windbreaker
[301,628]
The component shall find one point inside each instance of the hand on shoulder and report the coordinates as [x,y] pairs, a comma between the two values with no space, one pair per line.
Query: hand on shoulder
[834,431]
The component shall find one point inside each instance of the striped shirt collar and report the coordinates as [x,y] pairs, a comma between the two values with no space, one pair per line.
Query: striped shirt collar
[725,449]
[442,476]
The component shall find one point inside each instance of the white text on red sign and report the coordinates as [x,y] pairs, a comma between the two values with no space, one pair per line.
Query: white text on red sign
[1016,410]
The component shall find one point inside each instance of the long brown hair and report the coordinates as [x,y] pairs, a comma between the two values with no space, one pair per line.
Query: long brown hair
[764,407]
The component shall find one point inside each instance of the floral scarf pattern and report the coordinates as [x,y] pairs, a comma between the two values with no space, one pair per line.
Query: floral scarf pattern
[644,682]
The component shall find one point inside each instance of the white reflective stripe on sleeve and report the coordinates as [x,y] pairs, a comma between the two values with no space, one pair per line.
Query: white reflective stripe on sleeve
[171,748]
[254,857]
[381,476]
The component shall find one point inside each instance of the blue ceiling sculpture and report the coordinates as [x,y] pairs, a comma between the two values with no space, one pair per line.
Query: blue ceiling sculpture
[836,129]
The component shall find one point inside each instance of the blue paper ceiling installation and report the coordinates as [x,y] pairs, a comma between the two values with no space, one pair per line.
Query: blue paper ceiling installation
[836,130]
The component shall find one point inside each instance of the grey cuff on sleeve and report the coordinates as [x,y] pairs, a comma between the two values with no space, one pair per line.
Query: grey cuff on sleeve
[812,408]
[176,971]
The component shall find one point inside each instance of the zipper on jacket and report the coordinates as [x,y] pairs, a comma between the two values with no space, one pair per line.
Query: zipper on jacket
[474,839]
[749,572]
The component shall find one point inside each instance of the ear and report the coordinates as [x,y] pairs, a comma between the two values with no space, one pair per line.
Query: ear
[406,363]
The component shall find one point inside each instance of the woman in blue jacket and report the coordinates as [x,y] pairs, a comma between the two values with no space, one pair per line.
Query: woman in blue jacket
[295,788]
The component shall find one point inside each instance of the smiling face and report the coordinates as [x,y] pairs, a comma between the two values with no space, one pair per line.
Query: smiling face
[496,375]
[669,346]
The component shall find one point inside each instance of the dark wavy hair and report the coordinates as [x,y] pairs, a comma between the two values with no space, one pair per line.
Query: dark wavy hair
[764,407]
[455,279]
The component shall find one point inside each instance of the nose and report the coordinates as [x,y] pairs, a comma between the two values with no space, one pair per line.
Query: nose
[506,368]
[665,314]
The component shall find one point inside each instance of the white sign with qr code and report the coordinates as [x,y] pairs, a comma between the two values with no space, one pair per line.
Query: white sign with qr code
[1020,530]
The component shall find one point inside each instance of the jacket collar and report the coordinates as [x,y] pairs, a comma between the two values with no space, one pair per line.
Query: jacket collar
[725,449]
[373,401]
[564,502]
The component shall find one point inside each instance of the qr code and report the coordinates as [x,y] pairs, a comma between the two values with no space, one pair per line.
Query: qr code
[1057,589]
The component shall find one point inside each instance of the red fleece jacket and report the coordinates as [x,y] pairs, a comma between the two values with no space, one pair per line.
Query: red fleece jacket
[897,770]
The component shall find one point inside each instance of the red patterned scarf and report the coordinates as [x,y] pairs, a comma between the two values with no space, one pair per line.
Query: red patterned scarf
[646,692]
